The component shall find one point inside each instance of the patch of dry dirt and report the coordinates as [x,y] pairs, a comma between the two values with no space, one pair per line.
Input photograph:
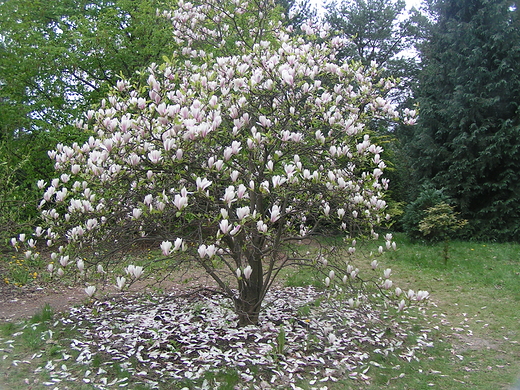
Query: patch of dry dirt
[24,302]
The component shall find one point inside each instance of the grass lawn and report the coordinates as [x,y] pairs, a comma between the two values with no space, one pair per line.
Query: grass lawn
[477,299]
[473,319]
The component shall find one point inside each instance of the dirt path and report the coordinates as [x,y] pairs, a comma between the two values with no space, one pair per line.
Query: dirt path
[24,302]
[17,303]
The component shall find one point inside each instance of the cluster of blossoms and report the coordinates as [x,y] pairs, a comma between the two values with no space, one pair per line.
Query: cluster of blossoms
[226,156]
[383,283]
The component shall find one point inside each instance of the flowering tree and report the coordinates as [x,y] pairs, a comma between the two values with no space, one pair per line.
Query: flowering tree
[225,159]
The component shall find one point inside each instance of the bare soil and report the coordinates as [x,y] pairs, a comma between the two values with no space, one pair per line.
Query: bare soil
[23,302]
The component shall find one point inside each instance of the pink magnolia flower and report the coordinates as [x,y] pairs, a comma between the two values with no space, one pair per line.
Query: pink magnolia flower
[202,251]
[243,212]
[180,201]
[135,271]
[178,244]
[387,284]
[275,213]
[120,282]
[229,195]
[155,156]
[224,226]
[202,184]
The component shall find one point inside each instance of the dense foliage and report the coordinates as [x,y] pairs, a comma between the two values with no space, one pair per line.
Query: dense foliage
[468,138]
[416,211]
[57,60]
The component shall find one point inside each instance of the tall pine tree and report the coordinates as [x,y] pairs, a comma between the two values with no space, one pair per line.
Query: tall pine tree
[468,138]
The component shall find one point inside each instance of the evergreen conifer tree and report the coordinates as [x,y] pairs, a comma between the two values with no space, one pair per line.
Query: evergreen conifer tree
[468,138]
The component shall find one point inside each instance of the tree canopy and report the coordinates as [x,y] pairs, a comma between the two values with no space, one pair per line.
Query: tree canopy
[381,32]
[60,57]
[226,160]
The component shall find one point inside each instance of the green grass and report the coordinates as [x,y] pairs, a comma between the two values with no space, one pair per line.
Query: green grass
[475,309]
[474,317]
[477,294]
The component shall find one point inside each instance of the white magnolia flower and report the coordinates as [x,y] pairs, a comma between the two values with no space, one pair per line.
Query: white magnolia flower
[166,247]
[247,272]
[135,271]
[120,282]
[90,291]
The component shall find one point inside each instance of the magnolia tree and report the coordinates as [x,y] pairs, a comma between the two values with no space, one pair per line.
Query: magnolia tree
[230,161]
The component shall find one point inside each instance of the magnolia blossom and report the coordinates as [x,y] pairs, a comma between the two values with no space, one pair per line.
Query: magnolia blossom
[243,212]
[81,265]
[180,201]
[155,156]
[387,284]
[211,250]
[202,251]
[64,260]
[261,226]
[202,184]
[90,291]
[235,230]
[166,247]
[229,195]
[275,213]
[422,295]
[136,213]
[247,272]
[134,271]
[225,226]
[120,282]
[178,244]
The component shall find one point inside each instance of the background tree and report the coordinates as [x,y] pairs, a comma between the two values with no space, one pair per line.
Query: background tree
[467,141]
[57,59]
[386,33]
[296,13]
[225,161]
[382,32]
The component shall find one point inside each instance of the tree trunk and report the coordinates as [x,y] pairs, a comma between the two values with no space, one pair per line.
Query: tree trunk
[249,301]
[248,309]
